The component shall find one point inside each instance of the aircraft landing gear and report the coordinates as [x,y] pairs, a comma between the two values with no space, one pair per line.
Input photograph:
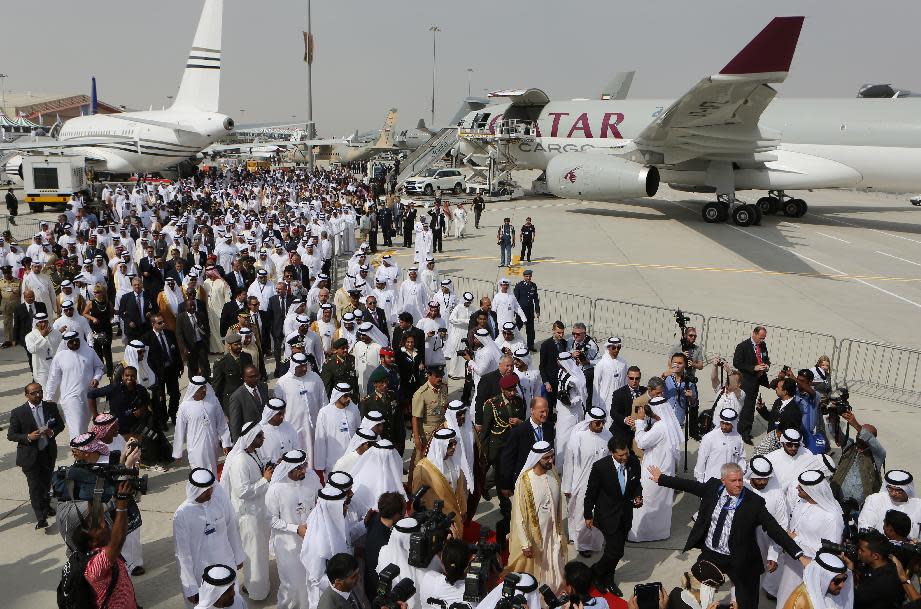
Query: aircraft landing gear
[742,214]
[778,201]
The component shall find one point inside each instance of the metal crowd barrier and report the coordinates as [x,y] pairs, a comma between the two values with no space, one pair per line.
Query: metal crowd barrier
[24,229]
[878,370]
[786,346]
[642,327]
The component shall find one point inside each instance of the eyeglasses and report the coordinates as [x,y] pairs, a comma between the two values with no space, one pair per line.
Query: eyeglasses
[838,581]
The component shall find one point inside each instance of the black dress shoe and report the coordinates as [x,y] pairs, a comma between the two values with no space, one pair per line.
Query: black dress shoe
[41,524]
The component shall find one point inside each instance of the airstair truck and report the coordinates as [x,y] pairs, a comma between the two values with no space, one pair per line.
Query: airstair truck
[52,179]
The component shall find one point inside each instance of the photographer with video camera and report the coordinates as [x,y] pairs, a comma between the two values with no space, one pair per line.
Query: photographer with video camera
[688,343]
[447,587]
[98,547]
[92,479]
[859,471]
[408,548]
[576,590]
[681,389]
[876,579]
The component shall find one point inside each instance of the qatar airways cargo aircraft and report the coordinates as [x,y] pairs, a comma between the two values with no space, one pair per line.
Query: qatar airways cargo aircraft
[725,135]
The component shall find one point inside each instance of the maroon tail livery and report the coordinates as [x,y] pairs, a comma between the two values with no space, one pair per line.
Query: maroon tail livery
[770,51]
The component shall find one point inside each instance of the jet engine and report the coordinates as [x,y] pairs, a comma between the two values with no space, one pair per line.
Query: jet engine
[600,177]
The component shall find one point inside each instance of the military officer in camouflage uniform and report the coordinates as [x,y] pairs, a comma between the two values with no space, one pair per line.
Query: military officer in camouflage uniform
[9,298]
[383,400]
[340,368]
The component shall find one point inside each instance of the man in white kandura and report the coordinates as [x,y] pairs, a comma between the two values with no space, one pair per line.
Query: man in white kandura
[291,497]
[720,445]
[201,427]
[588,443]
[75,369]
[204,531]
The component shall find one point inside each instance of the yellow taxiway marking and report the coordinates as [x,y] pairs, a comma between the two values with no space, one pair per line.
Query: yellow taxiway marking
[677,267]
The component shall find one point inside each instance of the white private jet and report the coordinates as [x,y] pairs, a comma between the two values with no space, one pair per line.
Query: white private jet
[141,142]
[726,134]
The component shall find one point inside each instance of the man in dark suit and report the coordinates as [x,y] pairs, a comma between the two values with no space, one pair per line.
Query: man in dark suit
[238,277]
[491,324]
[247,401]
[227,374]
[752,360]
[727,520]
[278,309]
[135,309]
[149,272]
[23,315]
[519,442]
[612,492]
[192,335]
[299,271]
[164,359]
[230,313]
[342,573]
[622,404]
[33,426]
[550,350]
[377,316]
[787,410]
[177,270]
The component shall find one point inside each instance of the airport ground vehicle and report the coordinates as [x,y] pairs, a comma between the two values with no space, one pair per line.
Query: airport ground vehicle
[431,181]
[52,179]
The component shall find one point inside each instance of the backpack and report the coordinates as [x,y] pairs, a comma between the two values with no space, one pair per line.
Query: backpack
[74,591]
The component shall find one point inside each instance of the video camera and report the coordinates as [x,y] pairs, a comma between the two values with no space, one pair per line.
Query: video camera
[81,481]
[483,564]
[388,595]
[838,401]
[434,525]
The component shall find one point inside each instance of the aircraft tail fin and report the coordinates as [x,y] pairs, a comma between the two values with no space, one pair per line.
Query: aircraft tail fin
[470,104]
[619,86]
[420,126]
[200,86]
[770,52]
[386,138]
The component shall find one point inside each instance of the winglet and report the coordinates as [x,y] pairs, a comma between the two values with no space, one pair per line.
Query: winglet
[771,51]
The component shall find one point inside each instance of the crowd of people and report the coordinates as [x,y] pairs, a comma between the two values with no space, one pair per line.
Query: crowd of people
[321,442]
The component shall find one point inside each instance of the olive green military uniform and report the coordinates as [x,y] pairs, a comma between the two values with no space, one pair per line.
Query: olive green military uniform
[9,291]
[227,375]
[496,414]
[340,370]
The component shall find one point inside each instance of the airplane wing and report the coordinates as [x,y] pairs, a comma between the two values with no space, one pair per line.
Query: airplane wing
[718,118]
[272,144]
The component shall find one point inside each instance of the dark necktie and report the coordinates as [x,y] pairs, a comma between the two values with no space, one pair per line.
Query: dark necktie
[539,433]
[720,521]
[353,603]
[31,310]
[165,348]
[140,305]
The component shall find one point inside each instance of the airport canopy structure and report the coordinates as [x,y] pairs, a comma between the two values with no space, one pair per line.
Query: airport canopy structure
[45,109]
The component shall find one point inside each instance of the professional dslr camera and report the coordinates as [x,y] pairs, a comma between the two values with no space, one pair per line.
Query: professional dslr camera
[849,549]
[510,600]
[434,526]
[552,600]
[481,567]
[388,595]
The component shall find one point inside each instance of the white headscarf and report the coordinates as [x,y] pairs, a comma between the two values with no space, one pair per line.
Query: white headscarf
[899,478]
[538,451]
[662,409]
[379,470]
[818,575]
[729,415]
[250,431]
[326,532]
[438,448]
[195,383]
[215,581]
[146,377]
[396,552]
[173,297]
[464,454]
[338,393]
[289,461]
[200,480]
[374,332]
[815,484]
[577,376]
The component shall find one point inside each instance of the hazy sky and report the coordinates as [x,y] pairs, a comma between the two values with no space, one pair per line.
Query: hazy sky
[372,55]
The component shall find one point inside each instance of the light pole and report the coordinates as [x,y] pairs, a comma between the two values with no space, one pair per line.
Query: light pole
[310,126]
[434,30]
[469,76]
[2,91]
